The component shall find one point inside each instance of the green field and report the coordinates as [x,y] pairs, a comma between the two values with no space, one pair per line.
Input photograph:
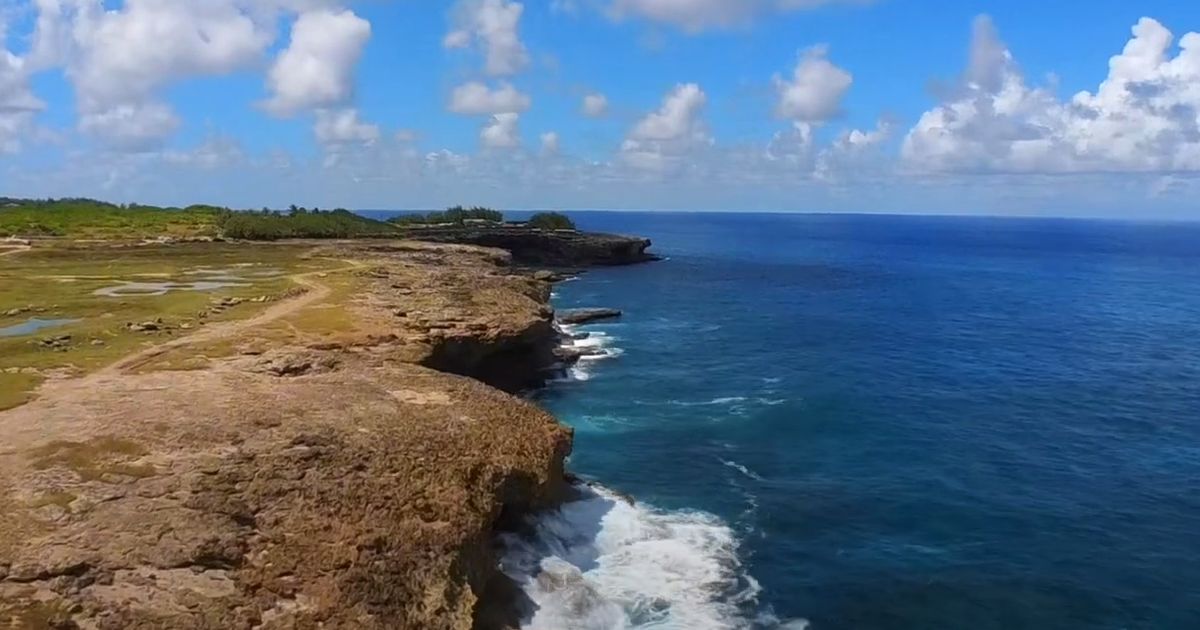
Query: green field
[65,282]
[90,219]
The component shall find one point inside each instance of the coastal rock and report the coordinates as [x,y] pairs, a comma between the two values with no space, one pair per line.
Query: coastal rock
[348,481]
[549,248]
[587,315]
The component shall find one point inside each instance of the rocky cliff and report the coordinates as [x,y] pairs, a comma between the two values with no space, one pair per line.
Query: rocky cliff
[352,481]
[551,248]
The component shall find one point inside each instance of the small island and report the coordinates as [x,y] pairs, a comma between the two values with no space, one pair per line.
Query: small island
[274,418]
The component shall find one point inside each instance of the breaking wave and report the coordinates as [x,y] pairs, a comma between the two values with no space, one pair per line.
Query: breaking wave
[605,563]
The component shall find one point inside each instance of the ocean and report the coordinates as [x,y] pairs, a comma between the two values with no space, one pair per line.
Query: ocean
[880,422]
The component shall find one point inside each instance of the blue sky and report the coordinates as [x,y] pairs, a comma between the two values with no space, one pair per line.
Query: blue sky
[884,106]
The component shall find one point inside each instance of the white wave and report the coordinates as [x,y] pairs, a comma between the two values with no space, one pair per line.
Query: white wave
[598,343]
[604,563]
[742,469]
[771,380]
[726,400]
[771,402]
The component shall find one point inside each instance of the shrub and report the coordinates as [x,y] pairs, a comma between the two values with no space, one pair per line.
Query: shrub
[457,215]
[551,221]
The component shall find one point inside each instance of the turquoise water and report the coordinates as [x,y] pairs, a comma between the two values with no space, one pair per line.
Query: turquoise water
[33,325]
[882,422]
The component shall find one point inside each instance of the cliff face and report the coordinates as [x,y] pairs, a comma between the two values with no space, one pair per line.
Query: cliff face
[335,484]
[560,248]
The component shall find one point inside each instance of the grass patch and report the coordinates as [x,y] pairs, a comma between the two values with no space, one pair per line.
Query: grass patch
[17,389]
[60,282]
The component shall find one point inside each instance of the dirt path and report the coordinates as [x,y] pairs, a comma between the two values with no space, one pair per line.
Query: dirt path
[316,292]
[14,249]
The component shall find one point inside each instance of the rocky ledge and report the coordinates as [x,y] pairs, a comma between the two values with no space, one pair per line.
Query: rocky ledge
[549,248]
[587,315]
[349,480]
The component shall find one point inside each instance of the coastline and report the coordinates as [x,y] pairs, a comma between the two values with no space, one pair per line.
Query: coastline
[356,479]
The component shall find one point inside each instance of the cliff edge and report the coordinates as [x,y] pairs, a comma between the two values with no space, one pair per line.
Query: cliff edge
[268,476]
[551,248]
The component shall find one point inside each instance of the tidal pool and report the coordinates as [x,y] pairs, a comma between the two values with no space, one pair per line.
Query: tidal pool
[154,289]
[32,325]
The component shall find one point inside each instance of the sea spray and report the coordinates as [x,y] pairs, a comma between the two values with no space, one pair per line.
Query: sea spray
[603,562]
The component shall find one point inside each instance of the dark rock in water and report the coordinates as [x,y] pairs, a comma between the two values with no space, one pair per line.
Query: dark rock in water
[550,248]
[580,336]
[586,315]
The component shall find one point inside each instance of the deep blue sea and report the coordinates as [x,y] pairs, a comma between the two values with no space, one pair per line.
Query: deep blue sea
[882,422]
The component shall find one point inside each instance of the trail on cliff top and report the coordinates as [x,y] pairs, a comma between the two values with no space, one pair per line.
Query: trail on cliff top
[315,292]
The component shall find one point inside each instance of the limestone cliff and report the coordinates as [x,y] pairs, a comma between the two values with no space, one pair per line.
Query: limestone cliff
[345,483]
[552,248]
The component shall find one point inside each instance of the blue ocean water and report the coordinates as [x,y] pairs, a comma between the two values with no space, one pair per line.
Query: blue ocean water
[883,422]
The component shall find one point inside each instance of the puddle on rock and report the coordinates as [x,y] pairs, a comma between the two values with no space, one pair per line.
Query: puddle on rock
[155,289]
[33,325]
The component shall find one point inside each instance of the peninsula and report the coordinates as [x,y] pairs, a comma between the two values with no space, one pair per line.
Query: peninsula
[205,432]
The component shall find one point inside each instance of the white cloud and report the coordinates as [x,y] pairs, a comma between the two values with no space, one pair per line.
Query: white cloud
[665,137]
[475,99]
[595,105]
[343,126]
[1144,117]
[317,68]
[18,105]
[677,118]
[501,131]
[494,25]
[118,59]
[699,15]
[550,143]
[814,92]
[134,126]
[855,153]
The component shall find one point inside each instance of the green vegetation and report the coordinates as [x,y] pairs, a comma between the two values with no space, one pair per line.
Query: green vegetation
[551,221]
[61,281]
[301,223]
[457,215]
[92,219]
[88,218]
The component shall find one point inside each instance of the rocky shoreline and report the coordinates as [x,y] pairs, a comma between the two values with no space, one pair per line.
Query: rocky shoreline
[347,481]
[545,248]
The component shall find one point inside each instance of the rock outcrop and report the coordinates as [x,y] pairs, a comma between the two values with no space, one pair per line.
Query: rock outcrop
[587,315]
[550,248]
[338,483]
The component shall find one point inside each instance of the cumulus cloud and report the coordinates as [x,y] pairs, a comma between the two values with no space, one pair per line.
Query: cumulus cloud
[665,137]
[550,143]
[1144,117]
[475,99]
[343,126]
[595,105]
[18,105]
[814,91]
[855,153]
[501,131]
[133,126]
[118,59]
[316,70]
[699,15]
[493,25]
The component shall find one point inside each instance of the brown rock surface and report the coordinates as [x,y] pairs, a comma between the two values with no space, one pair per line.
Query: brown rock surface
[335,482]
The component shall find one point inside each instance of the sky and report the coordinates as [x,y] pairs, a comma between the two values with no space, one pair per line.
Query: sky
[1020,107]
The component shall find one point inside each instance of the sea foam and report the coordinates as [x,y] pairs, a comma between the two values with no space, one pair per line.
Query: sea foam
[604,563]
[598,341]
